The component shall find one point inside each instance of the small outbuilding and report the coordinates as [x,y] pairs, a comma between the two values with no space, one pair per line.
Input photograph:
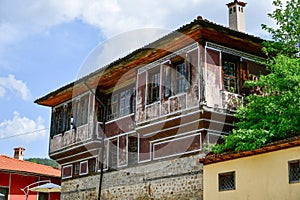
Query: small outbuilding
[271,172]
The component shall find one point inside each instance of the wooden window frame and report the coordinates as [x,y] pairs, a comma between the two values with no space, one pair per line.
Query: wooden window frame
[153,87]
[80,110]
[62,172]
[125,97]
[183,76]
[113,154]
[177,80]
[70,115]
[87,168]
[76,169]
[230,77]
[92,165]
[113,107]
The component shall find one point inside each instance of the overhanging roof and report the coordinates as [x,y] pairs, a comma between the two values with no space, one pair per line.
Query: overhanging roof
[12,165]
[198,30]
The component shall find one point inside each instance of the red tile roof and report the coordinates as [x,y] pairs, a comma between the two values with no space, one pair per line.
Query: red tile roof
[14,165]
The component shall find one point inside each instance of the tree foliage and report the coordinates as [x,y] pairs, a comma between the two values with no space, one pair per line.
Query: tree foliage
[275,113]
[286,35]
[44,161]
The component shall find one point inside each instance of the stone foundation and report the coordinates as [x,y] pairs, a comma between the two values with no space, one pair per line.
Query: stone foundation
[179,178]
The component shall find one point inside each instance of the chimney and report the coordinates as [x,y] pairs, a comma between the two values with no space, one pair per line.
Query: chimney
[236,10]
[19,153]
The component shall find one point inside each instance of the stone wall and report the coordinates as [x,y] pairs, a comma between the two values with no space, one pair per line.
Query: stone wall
[179,178]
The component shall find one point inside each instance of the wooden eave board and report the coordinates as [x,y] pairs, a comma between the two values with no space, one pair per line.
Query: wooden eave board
[198,30]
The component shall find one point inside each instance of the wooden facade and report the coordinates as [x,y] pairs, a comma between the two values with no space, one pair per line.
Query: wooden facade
[161,101]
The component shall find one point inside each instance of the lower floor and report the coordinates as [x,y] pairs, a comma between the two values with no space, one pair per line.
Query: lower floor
[14,186]
[179,178]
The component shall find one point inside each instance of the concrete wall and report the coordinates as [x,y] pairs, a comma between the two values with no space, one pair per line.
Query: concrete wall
[172,179]
[258,177]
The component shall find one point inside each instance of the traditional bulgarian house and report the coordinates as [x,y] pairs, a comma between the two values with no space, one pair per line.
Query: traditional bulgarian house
[158,107]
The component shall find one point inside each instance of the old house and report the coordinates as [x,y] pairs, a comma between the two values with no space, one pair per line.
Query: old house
[158,107]
[16,174]
[271,172]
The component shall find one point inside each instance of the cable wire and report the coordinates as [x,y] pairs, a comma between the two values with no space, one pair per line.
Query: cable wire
[21,134]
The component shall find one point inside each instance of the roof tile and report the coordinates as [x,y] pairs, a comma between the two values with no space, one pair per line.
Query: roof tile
[15,165]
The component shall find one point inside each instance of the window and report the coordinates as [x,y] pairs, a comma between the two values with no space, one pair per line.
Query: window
[182,77]
[153,87]
[125,102]
[133,100]
[229,76]
[113,107]
[76,169]
[83,168]
[132,149]
[92,165]
[167,81]
[119,104]
[177,78]
[57,121]
[100,110]
[67,171]
[230,11]
[43,196]
[113,154]
[234,9]
[4,191]
[294,171]
[81,110]
[71,114]
[227,181]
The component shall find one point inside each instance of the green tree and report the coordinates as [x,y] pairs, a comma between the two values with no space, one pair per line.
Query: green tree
[44,161]
[287,33]
[275,113]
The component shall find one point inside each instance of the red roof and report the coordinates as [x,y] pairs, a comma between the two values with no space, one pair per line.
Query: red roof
[236,2]
[16,165]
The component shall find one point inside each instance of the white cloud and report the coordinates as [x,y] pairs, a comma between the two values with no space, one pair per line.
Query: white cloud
[115,16]
[17,87]
[24,127]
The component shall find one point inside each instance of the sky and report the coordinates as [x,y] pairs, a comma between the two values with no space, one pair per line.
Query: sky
[44,43]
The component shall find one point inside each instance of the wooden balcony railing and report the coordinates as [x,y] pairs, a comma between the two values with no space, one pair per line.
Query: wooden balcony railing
[231,101]
[69,138]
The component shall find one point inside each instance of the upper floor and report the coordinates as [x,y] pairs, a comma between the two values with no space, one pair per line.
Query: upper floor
[182,89]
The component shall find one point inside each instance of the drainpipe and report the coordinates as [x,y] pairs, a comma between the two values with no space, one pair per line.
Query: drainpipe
[102,138]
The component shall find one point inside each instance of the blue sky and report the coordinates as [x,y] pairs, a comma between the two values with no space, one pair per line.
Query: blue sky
[43,44]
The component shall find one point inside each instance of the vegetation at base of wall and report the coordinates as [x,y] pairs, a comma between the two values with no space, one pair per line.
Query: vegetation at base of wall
[43,161]
[274,113]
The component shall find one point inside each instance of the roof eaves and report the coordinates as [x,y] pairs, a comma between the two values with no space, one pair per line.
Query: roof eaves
[199,20]
[274,146]
[29,173]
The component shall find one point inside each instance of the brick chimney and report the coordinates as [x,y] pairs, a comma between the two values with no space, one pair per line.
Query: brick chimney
[19,153]
[236,11]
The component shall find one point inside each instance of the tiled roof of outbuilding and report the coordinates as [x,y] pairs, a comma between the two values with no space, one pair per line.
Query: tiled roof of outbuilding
[274,146]
[9,164]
